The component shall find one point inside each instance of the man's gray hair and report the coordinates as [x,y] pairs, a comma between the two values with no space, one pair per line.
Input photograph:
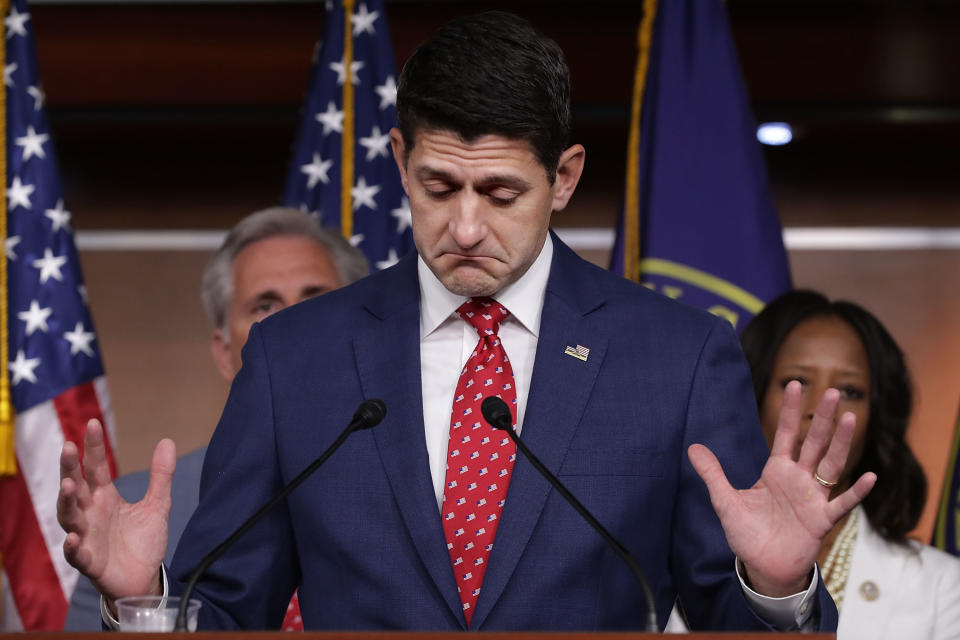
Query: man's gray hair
[217,288]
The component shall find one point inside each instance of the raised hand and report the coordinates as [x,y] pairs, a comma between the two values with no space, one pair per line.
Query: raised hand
[775,527]
[117,544]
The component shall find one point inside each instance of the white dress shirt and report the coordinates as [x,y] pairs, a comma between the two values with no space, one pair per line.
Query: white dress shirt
[447,341]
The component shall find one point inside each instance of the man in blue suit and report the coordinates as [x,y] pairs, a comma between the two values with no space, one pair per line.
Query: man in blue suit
[636,402]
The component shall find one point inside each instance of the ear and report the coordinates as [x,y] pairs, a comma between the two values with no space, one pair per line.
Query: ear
[569,169]
[220,349]
[399,155]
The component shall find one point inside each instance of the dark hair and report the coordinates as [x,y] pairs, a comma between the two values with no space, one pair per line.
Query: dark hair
[490,73]
[896,501]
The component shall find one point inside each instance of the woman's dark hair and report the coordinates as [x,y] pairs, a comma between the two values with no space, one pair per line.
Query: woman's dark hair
[490,73]
[896,501]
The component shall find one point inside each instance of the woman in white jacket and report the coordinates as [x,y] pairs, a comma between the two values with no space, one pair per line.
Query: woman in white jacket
[884,584]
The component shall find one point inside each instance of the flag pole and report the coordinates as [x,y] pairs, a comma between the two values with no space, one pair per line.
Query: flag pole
[631,209]
[346,142]
[948,516]
[8,458]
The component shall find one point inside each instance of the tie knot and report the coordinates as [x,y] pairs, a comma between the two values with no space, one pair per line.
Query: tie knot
[484,315]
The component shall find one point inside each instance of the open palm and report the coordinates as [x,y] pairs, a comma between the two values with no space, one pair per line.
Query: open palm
[117,544]
[776,526]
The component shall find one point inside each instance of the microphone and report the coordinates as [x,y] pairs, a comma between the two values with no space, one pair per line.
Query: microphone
[497,413]
[368,415]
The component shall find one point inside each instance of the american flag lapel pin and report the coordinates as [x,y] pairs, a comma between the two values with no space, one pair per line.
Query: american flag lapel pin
[579,352]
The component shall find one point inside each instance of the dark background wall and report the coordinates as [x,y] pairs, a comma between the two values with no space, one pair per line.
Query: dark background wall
[181,116]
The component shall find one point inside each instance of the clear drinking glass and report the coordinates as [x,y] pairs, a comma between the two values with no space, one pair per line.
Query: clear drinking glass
[154,613]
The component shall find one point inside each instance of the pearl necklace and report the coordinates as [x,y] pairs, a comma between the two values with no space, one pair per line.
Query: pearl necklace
[836,568]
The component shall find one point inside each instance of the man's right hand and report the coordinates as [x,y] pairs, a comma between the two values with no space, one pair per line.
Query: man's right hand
[117,544]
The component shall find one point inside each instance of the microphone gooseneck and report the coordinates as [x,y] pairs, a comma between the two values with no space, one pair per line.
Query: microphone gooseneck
[368,415]
[496,412]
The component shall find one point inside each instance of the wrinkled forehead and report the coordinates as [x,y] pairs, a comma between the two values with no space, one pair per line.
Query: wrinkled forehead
[277,261]
[445,143]
[444,154]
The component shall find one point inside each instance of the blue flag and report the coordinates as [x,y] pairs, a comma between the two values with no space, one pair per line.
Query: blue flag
[342,169]
[699,222]
[946,534]
[53,368]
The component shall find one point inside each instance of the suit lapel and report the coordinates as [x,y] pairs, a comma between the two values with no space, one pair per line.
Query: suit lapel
[388,361]
[559,390]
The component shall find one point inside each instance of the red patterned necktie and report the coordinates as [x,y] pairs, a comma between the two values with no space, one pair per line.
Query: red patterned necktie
[292,620]
[479,458]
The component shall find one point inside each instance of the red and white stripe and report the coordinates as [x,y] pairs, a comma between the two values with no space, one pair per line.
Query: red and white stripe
[36,580]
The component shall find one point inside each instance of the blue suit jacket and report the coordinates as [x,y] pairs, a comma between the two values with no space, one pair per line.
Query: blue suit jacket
[363,537]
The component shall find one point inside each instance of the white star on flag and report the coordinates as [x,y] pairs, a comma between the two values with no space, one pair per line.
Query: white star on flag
[59,216]
[376,144]
[341,69]
[32,143]
[387,92]
[22,368]
[16,23]
[82,290]
[18,194]
[8,74]
[35,317]
[363,21]
[389,261]
[331,119]
[363,194]
[317,171]
[79,340]
[402,214]
[38,97]
[49,266]
[12,243]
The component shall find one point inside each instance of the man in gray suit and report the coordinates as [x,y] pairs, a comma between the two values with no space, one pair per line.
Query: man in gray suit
[270,260]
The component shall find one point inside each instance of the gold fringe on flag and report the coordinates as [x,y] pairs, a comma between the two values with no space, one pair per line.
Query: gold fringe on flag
[8,458]
[346,140]
[631,207]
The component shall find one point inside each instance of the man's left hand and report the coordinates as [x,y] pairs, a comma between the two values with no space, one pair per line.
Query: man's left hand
[775,527]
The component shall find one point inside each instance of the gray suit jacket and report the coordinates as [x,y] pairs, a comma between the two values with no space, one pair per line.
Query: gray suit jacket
[84,611]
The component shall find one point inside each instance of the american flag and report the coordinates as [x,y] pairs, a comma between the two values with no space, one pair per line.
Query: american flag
[55,372]
[342,156]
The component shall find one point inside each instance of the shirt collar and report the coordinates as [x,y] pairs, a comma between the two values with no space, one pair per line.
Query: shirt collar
[523,298]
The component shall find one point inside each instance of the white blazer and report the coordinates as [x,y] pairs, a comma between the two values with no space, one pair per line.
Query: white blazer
[895,592]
